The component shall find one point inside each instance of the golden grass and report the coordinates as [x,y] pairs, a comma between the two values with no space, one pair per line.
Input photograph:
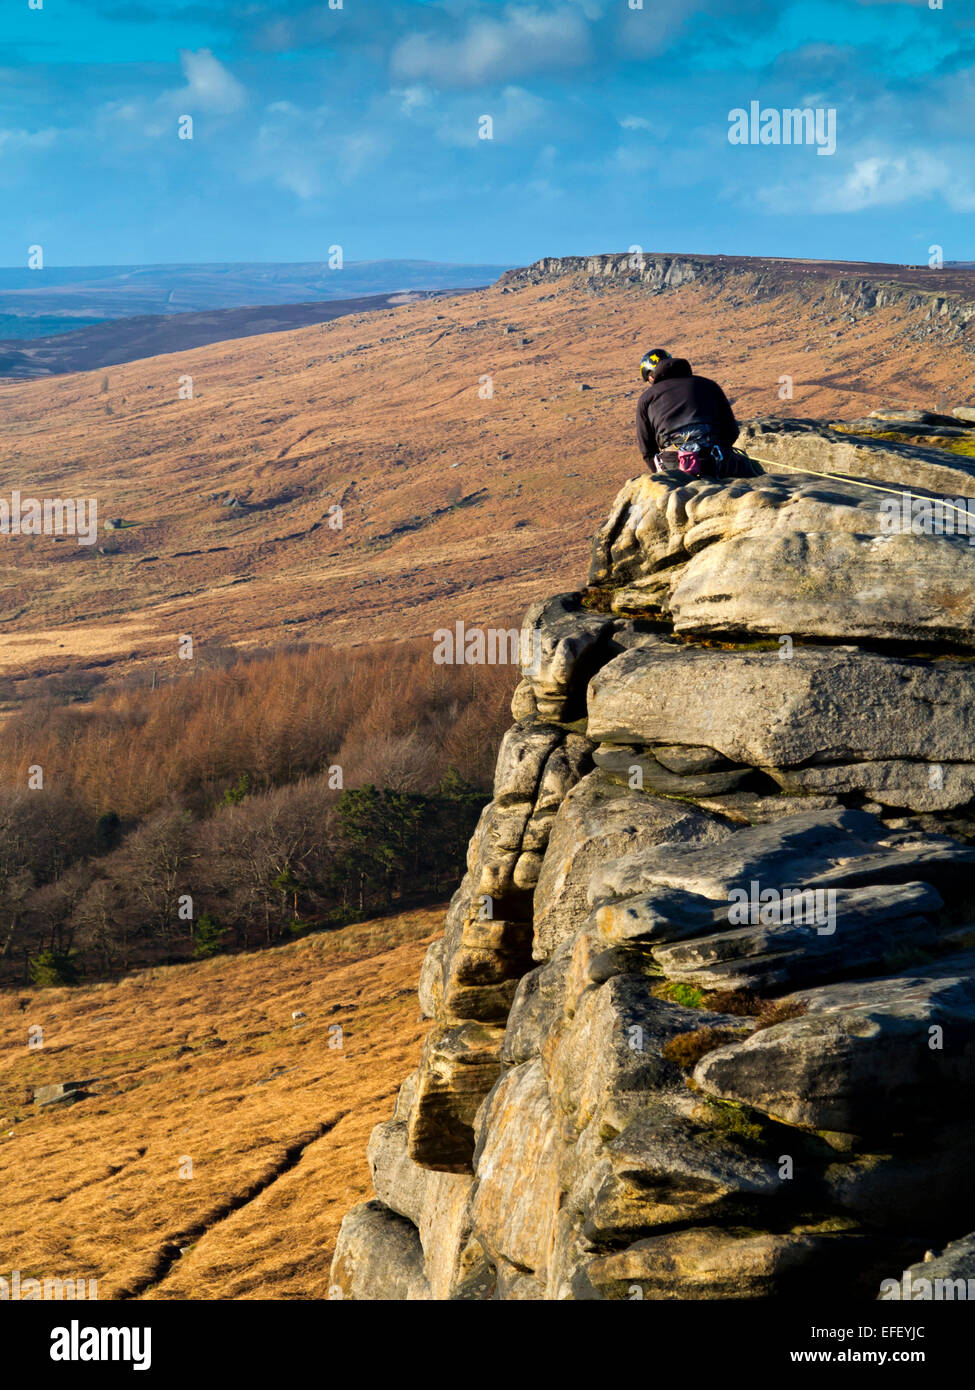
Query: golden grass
[203,1062]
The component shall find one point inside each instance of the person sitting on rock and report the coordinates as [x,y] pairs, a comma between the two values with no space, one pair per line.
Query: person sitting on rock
[685,422]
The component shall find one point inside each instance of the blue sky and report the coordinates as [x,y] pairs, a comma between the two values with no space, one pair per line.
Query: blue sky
[357,125]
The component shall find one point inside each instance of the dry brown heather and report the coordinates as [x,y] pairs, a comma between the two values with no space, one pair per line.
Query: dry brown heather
[204,1061]
[381,413]
[385,713]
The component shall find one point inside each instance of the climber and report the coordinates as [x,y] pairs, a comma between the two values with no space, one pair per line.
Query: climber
[685,422]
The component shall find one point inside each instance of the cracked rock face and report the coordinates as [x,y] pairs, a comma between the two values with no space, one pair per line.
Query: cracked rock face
[831,1069]
[599,820]
[760,710]
[796,556]
[703,1013]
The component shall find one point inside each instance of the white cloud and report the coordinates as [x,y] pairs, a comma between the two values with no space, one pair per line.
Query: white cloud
[414,98]
[643,33]
[309,152]
[27,139]
[209,85]
[635,123]
[879,180]
[525,40]
[209,89]
[896,146]
[875,180]
[521,110]
[516,112]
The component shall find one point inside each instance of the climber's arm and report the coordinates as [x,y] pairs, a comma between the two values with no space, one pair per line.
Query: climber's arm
[646,436]
[727,424]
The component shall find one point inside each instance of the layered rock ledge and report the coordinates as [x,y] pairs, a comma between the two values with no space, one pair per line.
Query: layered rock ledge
[704,1007]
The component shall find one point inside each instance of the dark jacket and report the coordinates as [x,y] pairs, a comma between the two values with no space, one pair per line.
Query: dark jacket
[677,400]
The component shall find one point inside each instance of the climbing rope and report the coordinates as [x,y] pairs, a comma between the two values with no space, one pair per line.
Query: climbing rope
[776,464]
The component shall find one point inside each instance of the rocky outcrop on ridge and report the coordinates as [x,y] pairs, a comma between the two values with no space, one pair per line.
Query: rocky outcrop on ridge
[940,301]
[704,1006]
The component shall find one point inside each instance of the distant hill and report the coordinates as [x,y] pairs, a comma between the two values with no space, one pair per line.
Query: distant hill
[19,326]
[111,342]
[117,291]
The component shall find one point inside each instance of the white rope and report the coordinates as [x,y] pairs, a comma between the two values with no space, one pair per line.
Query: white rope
[858,482]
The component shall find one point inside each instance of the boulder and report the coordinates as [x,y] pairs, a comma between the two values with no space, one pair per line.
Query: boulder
[773,556]
[786,853]
[569,644]
[61,1093]
[662,915]
[523,704]
[458,1066]
[430,988]
[516,1167]
[946,1277]
[378,1257]
[812,445]
[612,1047]
[855,931]
[639,768]
[867,1057]
[895,782]
[598,820]
[537,764]
[523,754]
[751,808]
[708,1262]
[687,761]
[480,982]
[435,1202]
[669,1167]
[905,415]
[828,585]
[405,1097]
[471,973]
[757,709]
